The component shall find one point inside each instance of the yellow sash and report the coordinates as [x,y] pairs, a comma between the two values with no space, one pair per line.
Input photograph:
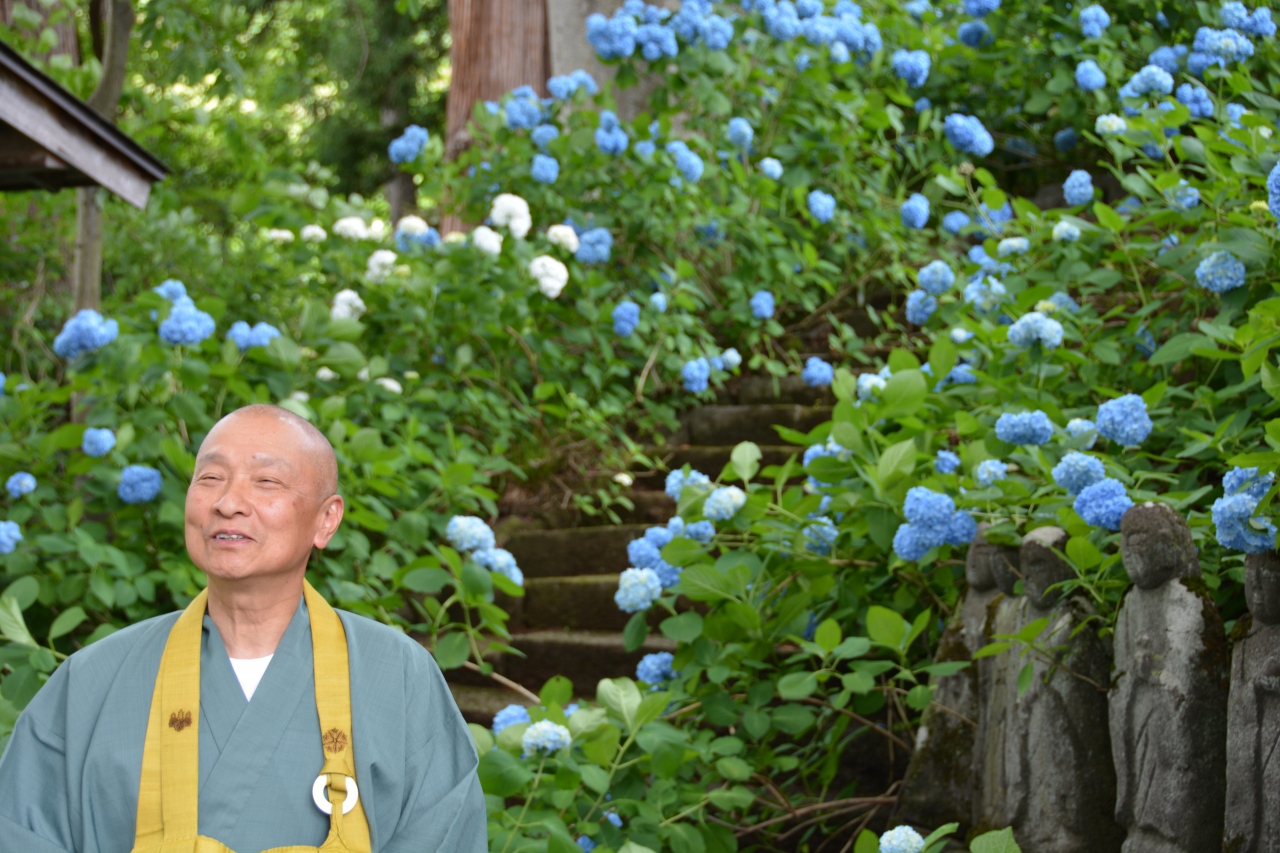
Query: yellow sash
[168,797]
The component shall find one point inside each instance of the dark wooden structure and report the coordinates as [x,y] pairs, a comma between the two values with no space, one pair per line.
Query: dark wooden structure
[51,140]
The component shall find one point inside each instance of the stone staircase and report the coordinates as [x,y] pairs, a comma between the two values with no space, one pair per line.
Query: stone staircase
[567,623]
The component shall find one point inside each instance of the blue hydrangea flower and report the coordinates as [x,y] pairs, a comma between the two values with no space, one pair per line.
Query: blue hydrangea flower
[610,137]
[974,34]
[1182,196]
[980,8]
[1034,327]
[822,206]
[545,169]
[85,332]
[1013,246]
[1198,63]
[731,358]
[594,246]
[911,65]
[1077,427]
[1196,99]
[545,737]
[1103,503]
[935,277]
[946,462]
[1168,57]
[762,305]
[171,289]
[138,484]
[955,221]
[1077,471]
[1151,79]
[910,543]
[689,165]
[1066,139]
[626,316]
[1057,302]
[960,335]
[543,134]
[740,132]
[655,668]
[1273,191]
[1089,76]
[10,536]
[1024,427]
[902,839]
[700,531]
[1124,420]
[97,442]
[658,302]
[186,324]
[817,373]
[771,168]
[724,503]
[586,843]
[1078,188]
[21,483]
[984,294]
[678,480]
[612,38]
[246,336]
[927,508]
[990,470]
[1223,45]
[920,307]
[820,536]
[500,561]
[510,716]
[1236,525]
[638,589]
[406,147]
[645,149]
[564,86]
[915,211]
[1220,272]
[1066,232]
[656,41]
[1093,20]
[468,533]
[966,133]
[695,374]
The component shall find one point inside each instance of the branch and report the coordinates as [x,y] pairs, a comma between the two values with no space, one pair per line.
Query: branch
[117,26]
[506,682]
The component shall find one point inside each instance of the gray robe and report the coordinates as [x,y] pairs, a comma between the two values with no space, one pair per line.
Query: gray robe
[69,778]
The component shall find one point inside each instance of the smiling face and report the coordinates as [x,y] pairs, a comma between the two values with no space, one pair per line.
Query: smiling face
[261,497]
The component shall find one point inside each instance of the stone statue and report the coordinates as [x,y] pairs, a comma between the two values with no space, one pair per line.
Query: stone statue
[1046,760]
[1169,702]
[939,784]
[1253,716]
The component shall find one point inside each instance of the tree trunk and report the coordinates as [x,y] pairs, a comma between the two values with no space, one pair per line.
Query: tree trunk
[65,30]
[111,22]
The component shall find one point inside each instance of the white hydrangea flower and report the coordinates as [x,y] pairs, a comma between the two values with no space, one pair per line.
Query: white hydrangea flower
[622,478]
[551,275]
[363,375]
[351,228]
[390,384]
[377,229]
[487,240]
[313,234]
[454,237]
[347,305]
[300,396]
[279,235]
[1066,232]
[324,374]
[512,211]
[412,225]
[381,263]
[563,236]
[1109,125]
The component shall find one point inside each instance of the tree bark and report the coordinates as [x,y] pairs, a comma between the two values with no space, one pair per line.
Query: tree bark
[111,23]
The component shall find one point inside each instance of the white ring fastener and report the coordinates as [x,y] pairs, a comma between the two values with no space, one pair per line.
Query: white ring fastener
[322,802]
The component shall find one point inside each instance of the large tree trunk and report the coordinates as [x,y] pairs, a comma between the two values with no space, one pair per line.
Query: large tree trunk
[111,23]
[65,29]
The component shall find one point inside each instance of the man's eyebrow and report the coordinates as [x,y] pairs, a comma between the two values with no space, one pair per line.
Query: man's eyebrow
[261,459]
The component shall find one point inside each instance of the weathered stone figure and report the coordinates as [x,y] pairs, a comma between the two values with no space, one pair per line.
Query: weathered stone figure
[940,780]
[1169,703]
[1253,717]
[1046,760]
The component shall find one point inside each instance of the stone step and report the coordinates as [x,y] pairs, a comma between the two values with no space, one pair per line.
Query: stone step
[782,389]
[584,657]
[479,704]
[729,425]
[572,551]
[582,602]
[710,460]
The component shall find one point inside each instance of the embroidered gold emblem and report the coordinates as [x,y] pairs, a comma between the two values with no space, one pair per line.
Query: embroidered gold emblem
[334,740]
[179,720]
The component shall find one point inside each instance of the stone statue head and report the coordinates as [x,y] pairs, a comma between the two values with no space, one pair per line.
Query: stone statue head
[1156,546]
[1042,567]
[991,565]
[1262,586]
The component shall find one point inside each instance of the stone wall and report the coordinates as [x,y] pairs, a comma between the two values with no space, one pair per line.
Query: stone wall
[1156,739]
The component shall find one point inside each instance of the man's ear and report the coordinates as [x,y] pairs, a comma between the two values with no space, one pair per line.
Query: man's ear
[331,512]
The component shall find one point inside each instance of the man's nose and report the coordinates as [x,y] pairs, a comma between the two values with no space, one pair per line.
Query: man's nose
[233,500]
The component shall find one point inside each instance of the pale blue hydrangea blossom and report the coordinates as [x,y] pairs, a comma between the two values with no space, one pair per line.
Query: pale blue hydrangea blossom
[10,536]
[1077,471]
[1034,327]
[97,442]
[1024,427]
[936,278]
[638,589]
[1093,21]
[677,481]
[762,305]
[1103,503]
[1078,188]
[915,211]
[626,316]
[920,307]
[500,561]
[1220,272]
[1236,525]
[989,471]
[469,533]
[85,332]
[511,715]
[545,737]
[724,503]
[655,668]
[901,839]
[946,462]
[822,206]
[1124,420]
[967,133]
[817,373]
[138,484]
[1089,76]
[20,484]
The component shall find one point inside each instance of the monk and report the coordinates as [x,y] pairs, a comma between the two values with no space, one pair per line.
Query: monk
[257,718]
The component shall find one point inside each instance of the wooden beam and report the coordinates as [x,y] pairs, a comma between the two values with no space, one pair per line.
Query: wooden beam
[33,115]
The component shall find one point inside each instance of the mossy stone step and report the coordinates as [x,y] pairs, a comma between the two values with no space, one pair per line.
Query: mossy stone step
[788,389]
[572,551]
[729,425]
[711,460]
[581,602]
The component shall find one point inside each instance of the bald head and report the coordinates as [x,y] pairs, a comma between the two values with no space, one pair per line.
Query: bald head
[317,454]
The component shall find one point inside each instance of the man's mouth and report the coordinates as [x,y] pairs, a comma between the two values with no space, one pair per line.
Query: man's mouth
[231,537]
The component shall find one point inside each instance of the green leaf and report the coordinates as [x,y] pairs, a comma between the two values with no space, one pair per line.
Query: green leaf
[457,475]
[939,833]
[502,774]
[852,647]
[867,842]
[919,697]
[426,581]
[651,707]
[67,621]
[1178,347]
[746,460]
[1000,841]
[797,685]
[631,846]
[704,583]
[992,649]
[636,632]
[557,691]
[451,650]
[1024,677]
[1032,630]
[684,628]
[942,357]
[12,626]
[1108,217]
[898,461]
[828,635]
[885,626]
[476,579]
[26,589]
[903,395]
[621,696]
[1271,380]
[732,767]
